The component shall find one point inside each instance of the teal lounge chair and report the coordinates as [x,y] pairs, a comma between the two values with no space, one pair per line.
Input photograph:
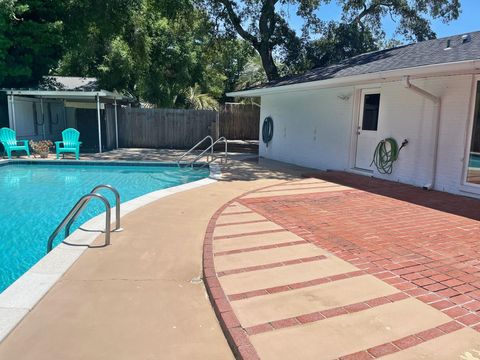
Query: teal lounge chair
[70,143]
[8,138]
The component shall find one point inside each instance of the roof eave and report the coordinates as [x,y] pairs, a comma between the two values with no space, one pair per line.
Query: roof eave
[66,94]
[467,66]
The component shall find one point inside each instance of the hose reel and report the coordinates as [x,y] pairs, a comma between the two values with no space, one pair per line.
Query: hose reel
[267,130]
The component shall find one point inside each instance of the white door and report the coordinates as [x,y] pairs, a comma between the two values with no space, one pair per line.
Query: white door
[367,128]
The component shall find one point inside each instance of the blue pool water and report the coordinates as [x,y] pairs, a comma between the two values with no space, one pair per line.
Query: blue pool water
[474,161]
[34,198]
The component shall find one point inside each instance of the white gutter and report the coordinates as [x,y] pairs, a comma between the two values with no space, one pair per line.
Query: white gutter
[437,101]
[459,67]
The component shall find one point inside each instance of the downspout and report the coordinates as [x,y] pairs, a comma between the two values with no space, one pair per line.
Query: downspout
[438,105]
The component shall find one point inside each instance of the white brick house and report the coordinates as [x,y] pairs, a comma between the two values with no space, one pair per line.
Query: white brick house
[428,93]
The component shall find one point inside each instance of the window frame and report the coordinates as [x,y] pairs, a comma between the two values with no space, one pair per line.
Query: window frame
[467,186]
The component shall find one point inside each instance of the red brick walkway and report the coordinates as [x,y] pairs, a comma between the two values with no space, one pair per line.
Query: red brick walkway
[424,243]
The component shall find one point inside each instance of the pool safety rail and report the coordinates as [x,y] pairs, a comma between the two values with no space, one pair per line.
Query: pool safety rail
[208,153]
[77,209]
[194,147]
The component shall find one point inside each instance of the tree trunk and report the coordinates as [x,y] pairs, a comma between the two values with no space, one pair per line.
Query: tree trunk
[268,63]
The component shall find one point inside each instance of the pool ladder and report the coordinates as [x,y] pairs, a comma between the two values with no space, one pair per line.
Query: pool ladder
[208,152]
[77,209]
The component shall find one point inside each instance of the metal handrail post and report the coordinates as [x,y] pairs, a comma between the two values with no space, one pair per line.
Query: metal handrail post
[85,203]
[208,137]
[226,151]
[210,148]
[117,202]
[73,212]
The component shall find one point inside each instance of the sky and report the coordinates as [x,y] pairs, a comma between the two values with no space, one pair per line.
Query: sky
[467,22]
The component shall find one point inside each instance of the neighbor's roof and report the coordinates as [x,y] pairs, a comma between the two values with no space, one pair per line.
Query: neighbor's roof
[71,83]
[431,52]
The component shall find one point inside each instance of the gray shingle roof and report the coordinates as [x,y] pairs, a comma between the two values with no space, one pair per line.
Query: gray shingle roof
[423,53]
[69,83]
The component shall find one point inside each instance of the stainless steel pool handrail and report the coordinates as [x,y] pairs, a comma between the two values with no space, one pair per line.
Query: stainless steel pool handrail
[208,137]
[220,139]
[94,190]
[73,212]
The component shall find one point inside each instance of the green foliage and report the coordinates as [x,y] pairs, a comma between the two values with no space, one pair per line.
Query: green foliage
[194,99]
[158,49]
[30,40]
[339,42]
[172,53]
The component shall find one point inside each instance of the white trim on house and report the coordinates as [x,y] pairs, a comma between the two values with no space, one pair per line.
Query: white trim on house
[453,68]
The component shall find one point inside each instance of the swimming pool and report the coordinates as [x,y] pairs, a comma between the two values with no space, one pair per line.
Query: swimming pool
[36,196]
[474,161]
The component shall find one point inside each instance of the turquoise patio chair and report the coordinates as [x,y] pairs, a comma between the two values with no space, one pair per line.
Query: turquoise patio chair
[70,143]
[8,138]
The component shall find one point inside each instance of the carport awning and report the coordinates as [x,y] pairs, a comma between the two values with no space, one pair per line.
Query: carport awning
[101,96]
[71,95]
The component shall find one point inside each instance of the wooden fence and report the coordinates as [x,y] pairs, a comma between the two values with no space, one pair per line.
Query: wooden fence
[163,128]
[240,122]
[181,129]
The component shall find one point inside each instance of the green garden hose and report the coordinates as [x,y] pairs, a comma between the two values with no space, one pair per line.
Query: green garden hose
[385,154]
[267,130]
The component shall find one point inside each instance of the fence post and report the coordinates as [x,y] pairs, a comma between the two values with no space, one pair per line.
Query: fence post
[216,124]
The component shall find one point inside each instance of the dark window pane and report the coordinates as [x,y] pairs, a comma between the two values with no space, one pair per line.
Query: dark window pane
[370,112]
[473,174]
[476,124]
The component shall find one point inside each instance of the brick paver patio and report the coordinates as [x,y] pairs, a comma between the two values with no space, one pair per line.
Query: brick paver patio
[424,243]
[347,267]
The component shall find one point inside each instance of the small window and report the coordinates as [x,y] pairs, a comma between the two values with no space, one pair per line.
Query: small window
[371,106]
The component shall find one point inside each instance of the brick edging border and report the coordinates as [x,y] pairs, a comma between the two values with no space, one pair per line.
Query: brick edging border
[236,336]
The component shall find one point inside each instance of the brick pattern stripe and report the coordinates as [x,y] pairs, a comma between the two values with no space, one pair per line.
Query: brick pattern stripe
[271,265]
[405,343]
[256,248]
[248,234]
[325,314]
[294,286]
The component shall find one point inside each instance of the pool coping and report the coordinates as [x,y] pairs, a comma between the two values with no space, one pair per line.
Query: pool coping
[18,299]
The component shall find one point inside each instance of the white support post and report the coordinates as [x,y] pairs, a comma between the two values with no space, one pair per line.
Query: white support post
[116,123]
[43,118]
[14,122]
[99,125]
[9,108]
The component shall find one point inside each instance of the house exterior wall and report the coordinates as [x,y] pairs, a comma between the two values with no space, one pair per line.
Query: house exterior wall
[311,128]
[317,129]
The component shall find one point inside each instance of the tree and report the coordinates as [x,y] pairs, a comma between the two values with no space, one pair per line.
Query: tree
[264,23]
[198,101]
[30,40]
[158,49]
[340,41]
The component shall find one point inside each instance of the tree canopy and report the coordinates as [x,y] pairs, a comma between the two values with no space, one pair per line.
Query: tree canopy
[30,40]
[189,53]
[264,24]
